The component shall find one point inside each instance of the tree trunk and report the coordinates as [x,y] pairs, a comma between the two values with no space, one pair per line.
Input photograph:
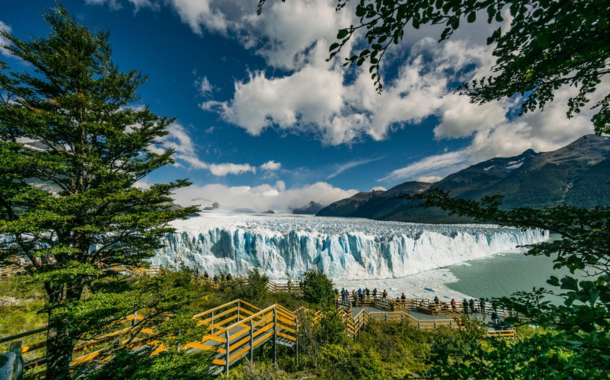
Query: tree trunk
[59,352]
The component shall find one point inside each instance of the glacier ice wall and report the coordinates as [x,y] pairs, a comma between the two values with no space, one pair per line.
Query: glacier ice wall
[287,246]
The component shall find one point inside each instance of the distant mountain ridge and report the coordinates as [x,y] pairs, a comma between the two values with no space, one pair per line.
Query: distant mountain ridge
[311,208]
[575,174]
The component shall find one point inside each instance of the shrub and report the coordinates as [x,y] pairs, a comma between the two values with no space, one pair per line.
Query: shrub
[317,288]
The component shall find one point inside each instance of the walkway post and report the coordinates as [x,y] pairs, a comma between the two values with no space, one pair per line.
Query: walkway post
[227,351]
[296,319]
[135,316]
[251,341]
[238,309]
[212,323]
[274,336]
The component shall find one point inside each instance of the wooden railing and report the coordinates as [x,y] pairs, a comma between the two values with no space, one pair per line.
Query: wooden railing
[284,288]
[9,271]
[34,354]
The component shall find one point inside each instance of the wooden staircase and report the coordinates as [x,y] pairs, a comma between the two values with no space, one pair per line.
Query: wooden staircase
[237,328]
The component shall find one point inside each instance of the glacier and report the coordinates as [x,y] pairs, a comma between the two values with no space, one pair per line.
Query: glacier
[286,246]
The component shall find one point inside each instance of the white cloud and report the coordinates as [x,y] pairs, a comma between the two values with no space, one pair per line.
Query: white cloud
[264,197]
[340,168]
[112,4]
[429,179]
[379,188]
[446,163]
[316,98]
[4,41]
[271,166]
[204,86]
[222,170]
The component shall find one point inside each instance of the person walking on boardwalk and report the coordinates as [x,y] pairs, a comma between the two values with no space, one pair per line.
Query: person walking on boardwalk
[367,292]
[482,305]
[360,295]
[465,306]
[471,303]
[384,295]
[403,299]
[453,304]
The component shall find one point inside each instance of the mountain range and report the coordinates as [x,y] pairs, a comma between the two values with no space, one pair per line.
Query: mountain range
[575,174]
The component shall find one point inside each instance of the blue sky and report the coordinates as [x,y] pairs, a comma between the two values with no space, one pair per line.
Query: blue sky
[263,121]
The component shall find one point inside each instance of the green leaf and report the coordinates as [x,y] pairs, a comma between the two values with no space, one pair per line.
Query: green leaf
[342,33]
[472,17]
[334,46]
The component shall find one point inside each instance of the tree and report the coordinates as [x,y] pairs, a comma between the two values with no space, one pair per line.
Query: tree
[317,287]
[548,44]
[73,148]
[577,341]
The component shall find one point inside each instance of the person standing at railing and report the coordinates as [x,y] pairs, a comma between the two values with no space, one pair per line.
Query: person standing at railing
[453,304]
[354,297]
[494,317]
[205,274]
[360,295]
[384,295]
[436,300]
[343,295]
[375,293]
[465,306]
[482,306]
[368,292]
[471,303]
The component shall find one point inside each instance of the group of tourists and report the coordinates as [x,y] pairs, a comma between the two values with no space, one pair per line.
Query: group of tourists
[222,277]
[358,295]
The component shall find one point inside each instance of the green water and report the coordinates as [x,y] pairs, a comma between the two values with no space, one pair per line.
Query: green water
[504,275]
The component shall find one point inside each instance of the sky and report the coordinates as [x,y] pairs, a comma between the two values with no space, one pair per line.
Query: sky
[264,121]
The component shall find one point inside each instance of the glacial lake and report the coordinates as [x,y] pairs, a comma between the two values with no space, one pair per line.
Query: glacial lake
[505,274]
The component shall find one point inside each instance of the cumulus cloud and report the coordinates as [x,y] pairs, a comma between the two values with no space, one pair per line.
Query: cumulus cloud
[271,166]
[379,188]
[317,99]
[222,170]
[264,197]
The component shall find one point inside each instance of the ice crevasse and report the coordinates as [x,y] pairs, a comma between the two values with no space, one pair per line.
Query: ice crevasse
[287,246]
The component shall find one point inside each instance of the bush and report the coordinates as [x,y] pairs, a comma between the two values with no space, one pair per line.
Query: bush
[351,362]
[317,288]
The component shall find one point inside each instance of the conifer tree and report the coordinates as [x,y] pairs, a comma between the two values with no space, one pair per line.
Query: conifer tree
[74,144]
